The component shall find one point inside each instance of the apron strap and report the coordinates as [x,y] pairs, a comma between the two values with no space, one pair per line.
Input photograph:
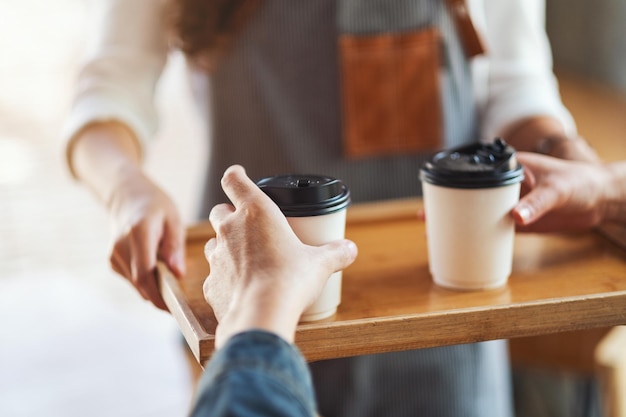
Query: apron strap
[472,42]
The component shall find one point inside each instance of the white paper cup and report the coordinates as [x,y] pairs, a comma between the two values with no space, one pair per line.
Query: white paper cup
[467,203]
[316,231]
[315,207]
[470,235]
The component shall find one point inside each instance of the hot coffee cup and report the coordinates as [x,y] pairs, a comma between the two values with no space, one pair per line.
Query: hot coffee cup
[315,207]
[468,195]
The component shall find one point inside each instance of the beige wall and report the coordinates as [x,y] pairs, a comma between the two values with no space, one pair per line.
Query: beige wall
[589,38]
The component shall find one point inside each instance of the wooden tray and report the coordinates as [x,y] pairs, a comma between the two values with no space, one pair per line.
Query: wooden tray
[559,283]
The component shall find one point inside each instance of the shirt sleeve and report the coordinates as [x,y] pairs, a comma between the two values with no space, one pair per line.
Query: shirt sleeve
[123,63]
[255,374]
[517,78]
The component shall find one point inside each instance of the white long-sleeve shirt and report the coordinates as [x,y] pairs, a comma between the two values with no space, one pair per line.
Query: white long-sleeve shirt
[512,81]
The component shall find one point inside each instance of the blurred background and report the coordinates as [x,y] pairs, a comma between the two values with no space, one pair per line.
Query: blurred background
[589,39]
[77,340]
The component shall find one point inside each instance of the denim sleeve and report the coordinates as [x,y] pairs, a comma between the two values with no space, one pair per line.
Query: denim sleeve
[256,373]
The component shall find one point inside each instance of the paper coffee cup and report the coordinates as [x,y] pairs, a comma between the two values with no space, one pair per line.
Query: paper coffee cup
[468,195]
[315,207]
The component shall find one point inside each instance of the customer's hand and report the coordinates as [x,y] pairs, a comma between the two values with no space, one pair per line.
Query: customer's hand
[563,195]
[146,227]
[262,276]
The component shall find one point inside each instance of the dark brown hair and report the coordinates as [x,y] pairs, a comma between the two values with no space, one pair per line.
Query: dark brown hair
[205,29]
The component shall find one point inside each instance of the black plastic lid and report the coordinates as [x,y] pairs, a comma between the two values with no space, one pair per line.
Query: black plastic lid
[478,165]
[306,195]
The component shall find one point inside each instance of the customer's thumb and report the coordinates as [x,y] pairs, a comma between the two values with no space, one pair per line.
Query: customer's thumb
[339,254]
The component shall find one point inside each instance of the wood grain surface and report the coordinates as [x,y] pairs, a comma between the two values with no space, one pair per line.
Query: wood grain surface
[560,283]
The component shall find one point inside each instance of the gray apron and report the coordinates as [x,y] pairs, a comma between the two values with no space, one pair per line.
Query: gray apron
[275,108]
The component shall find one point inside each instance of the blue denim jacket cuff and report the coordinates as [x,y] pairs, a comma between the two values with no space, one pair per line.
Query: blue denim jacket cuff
[263,365]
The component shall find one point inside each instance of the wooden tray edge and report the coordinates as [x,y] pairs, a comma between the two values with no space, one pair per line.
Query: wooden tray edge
[193,331]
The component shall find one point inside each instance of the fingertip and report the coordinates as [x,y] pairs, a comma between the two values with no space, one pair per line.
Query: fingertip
[522,213]
[144,294]
[156,299]
[233,170]
[160,304]
[151,289]
[176,263]
[236,167]
[344,253]
[352,249]
[237,186]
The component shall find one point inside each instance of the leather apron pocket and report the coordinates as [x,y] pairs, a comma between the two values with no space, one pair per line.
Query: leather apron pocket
[390,93]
